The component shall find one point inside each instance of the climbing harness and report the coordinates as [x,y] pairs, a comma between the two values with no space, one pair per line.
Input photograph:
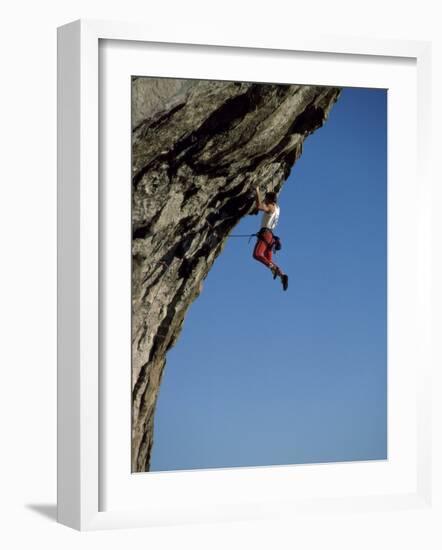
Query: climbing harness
[276,242]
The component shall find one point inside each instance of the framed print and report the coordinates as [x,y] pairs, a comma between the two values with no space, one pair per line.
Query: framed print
[244,277]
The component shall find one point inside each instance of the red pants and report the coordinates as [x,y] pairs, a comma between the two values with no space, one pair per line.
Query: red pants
[264,248]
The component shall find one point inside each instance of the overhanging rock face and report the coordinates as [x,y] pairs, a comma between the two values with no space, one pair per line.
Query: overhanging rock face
[199,148]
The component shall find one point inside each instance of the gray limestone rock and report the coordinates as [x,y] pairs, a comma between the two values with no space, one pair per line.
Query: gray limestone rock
[199,148]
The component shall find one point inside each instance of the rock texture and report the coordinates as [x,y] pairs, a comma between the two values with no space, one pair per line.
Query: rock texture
[198,150]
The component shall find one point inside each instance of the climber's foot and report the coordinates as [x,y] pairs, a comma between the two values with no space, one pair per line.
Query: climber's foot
[285,281]
[275,271]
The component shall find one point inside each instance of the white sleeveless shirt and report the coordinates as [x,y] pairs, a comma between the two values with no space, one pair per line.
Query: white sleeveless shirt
[270,219]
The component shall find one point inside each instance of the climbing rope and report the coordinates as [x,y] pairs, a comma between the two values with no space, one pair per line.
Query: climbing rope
[249,235]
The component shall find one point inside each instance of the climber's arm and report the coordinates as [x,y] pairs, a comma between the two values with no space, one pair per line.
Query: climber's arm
[262,205]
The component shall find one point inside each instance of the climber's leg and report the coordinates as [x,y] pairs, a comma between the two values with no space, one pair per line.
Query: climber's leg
[263,248]
[276,270]
[263,253]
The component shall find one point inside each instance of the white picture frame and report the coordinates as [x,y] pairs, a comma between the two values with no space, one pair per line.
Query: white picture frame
[80,438]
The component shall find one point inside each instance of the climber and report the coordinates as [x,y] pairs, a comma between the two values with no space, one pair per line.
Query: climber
[266,240]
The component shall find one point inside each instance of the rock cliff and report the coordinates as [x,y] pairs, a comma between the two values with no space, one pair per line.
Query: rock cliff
[198,150]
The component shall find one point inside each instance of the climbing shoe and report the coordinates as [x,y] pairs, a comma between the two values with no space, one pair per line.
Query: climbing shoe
[274,271]
[285,281]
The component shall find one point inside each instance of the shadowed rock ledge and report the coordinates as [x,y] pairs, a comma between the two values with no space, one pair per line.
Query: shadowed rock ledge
[198,150]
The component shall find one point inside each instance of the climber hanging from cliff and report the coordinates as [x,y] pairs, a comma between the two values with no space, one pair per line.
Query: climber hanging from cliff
[266,240]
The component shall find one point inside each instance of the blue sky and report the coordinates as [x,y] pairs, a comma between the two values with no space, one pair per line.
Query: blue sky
[265,377]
